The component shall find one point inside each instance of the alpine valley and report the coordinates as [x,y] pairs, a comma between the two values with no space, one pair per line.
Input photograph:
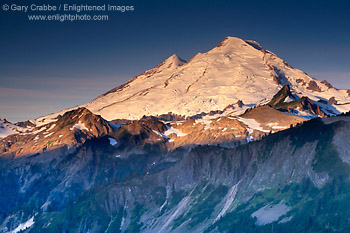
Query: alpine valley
[233,140]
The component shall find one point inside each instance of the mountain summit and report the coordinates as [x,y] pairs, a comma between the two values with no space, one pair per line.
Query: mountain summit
[234,70]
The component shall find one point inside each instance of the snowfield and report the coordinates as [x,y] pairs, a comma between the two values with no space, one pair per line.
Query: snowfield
[270,213]
[252,124]
[7,128]
[175,131]
[24,226]
[80,126]
[112,141]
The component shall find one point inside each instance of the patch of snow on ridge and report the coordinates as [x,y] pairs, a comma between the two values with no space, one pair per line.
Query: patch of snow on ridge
[276,126]
[160,134]
[51,127]
[172,130]
[205,122]
[39,130]
[79,126]
[252,124]
[288,100]
[48,135]
[300,113]
[270,213]
[7,128]
[4,132]
[112,141]
[24,226]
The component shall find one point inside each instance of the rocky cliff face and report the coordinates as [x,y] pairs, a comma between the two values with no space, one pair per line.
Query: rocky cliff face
[294,178]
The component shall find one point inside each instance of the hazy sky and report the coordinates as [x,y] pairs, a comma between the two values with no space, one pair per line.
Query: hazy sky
[47,66]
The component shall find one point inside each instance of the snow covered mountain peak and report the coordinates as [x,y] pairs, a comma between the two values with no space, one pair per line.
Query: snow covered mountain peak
[235,44]
[230,41]
[234,70]
[172,62]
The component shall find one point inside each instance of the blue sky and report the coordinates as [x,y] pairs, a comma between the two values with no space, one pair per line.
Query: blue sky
[48,66]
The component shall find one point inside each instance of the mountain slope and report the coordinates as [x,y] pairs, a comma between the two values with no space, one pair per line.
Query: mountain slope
[295,179]
[70,130]
[237,124]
